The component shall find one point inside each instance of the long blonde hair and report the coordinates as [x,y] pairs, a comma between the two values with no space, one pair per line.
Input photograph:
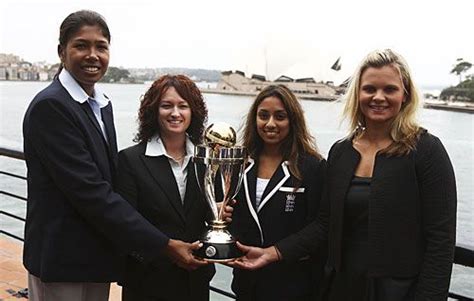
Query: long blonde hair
[404,129]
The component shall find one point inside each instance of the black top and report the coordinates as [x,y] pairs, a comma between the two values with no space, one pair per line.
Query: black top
[352,283]
[356,224]
[356,210]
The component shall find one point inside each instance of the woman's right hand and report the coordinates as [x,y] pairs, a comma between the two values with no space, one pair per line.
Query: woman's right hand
[181,253]
[255,257]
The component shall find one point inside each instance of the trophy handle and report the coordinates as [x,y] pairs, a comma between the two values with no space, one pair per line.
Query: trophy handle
[209,189]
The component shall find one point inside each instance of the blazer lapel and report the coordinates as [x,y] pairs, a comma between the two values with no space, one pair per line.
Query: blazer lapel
[86,107]
[111,155]
[277,180]
[160,170]
[191,188]
[341,170]
[251,179]
[250,182]
[108,119]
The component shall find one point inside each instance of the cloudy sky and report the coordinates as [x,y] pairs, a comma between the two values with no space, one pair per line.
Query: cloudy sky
[292,37]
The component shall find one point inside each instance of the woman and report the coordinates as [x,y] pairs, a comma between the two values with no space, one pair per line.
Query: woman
[76,224]
[281,192]
[157,177]
[391,193]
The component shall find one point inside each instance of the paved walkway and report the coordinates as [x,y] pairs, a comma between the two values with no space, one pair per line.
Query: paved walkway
[13,276]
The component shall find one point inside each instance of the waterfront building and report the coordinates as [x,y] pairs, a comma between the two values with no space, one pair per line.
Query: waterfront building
[237,82]
[12,67]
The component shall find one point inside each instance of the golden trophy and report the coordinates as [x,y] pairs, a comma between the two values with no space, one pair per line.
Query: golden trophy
[219,165]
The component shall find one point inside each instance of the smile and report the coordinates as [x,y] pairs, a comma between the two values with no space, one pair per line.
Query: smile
[270,133]
[377,107]
[175,121]
[91,69]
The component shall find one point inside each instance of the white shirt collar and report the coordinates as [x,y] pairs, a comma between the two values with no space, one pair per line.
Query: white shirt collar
[76,91]
[155,148]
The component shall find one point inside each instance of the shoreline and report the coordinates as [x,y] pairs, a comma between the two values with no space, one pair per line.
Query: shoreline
[461,107]
[253,94]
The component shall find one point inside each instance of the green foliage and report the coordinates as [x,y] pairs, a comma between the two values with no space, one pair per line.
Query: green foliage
[464,91]
[461,67]
[116,75]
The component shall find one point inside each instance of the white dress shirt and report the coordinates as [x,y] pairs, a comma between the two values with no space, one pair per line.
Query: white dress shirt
[97,102]
[156,148]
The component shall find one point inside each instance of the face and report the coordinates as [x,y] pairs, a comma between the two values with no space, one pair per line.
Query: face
[273,124]
[381,94]
[86,56]
[174,114]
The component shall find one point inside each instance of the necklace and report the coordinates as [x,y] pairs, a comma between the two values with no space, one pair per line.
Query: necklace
[179,158]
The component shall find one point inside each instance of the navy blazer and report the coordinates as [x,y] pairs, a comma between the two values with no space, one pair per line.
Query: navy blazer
[285,208]
[149,185]
[412,215]
[76,226]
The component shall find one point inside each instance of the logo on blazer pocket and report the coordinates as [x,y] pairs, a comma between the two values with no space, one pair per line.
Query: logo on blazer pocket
[290,202]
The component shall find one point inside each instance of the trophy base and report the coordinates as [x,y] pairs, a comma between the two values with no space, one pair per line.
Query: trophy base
[218,252]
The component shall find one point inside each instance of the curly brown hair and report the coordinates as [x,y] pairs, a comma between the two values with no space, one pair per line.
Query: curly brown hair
[148,124]
[298,142]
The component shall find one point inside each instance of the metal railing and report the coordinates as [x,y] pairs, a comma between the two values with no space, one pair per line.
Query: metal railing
[18,154]
[464,255]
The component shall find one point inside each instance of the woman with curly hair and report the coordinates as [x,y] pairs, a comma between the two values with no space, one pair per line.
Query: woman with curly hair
[157,177]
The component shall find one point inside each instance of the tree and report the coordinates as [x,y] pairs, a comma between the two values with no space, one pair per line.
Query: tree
[114,75]
[461,67]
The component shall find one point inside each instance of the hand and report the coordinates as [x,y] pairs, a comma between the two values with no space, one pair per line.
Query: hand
[228,209]
[181,253]
[255,257]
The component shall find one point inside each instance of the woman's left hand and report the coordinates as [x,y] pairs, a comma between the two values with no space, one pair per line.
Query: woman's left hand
[227,214]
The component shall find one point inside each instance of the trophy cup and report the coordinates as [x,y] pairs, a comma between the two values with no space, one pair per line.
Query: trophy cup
[219,165]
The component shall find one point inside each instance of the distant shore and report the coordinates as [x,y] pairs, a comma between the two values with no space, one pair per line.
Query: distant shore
[463,107]
[248,93]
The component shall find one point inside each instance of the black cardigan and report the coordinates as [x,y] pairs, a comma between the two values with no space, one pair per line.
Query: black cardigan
[412,215]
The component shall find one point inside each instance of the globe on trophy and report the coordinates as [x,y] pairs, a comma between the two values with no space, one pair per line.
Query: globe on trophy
[219,165]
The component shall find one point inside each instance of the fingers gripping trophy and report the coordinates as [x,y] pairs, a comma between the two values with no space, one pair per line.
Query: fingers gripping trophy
[219,165]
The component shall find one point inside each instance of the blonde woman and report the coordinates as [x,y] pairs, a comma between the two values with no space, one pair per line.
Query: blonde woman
[391,197]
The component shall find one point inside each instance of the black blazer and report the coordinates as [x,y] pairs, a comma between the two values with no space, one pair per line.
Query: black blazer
[283,211]
[75,224]
[149,185]
[412,215]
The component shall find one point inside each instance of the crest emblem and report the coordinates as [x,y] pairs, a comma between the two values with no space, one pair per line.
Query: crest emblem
[211,251]
[290,202]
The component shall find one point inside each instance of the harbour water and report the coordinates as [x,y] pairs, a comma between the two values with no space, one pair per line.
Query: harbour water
[456,131]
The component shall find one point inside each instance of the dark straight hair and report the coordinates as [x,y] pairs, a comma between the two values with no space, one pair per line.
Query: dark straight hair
[74,22]
[299,141]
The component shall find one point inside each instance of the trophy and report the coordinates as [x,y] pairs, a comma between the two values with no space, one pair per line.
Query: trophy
[219,165]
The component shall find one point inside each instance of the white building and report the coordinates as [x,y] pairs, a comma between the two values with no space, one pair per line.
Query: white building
[237,81]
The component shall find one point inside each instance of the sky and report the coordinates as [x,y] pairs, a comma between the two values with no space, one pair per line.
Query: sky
[292,37]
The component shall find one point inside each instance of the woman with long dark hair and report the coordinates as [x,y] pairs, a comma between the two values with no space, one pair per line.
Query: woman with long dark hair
[281,192]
